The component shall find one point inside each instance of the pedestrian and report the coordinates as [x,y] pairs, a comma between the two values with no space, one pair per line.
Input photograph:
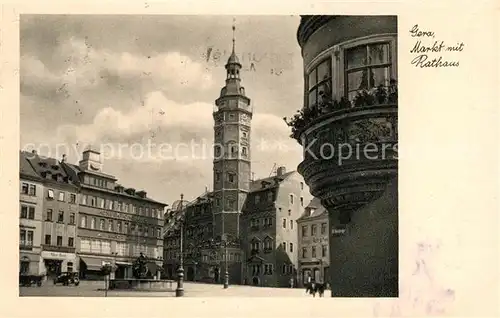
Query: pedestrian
[291,282]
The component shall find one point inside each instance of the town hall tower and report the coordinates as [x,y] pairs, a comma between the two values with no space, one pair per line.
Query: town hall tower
[232,153]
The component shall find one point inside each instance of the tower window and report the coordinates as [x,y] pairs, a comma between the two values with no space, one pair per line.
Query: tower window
[244,135]
[244,151]
[217,176]
[231,116]
[231,177]
[234,150]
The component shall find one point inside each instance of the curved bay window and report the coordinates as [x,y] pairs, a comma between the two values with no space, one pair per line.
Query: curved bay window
[367,67]
[319,82]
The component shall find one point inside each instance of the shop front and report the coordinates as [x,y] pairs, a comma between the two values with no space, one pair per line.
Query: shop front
[55,263]
[123,270]
[29,264]
[90,267]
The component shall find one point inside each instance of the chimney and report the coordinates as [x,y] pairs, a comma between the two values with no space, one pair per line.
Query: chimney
[63,158]
[281,171]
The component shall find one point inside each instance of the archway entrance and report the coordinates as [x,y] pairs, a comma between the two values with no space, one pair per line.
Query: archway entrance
[255,281]
[216,274]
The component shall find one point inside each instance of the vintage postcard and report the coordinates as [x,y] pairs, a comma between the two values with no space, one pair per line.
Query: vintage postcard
[240,154]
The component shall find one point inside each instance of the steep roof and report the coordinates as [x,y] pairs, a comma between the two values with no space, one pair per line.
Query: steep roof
[319,210]
[25,167]
[256,185]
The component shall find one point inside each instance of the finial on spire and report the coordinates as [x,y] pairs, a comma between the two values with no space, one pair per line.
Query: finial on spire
[234,29]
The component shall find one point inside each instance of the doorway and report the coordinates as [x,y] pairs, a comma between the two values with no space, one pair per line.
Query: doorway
[53,267]
[255,281]
[190,274]
[216,274]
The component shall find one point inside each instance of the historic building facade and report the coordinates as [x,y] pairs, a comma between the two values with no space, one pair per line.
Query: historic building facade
[116,224]
[313,235]
[59,215]
[350,104]
[30,217]
[269,229]
[215,226]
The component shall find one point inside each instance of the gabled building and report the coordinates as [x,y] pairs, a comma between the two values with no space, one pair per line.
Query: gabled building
[31,191]
[269,229]
[58,217]
[116,223]
[314,260]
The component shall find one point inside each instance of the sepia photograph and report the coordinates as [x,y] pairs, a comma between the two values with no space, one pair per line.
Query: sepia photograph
[208,156]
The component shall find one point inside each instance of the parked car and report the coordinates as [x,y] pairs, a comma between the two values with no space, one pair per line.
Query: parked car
[67,279]
[28,280]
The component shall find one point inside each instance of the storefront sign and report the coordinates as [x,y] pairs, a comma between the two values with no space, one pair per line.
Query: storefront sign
[58,255]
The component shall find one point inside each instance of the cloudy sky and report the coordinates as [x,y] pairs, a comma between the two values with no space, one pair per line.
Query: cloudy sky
[140,86]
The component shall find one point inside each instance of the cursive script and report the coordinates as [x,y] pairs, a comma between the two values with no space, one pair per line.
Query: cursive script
[430,53]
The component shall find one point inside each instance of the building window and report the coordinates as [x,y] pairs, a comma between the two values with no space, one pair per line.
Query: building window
[304,230]
[291,247]
[125,227]
[48,239]
[289,212]
[158,232]
[70,267]
[256,270]
[83,221]
[257,199]
[61,196]
[49,215]
[323,228]
[302,186]
[84,199]
[72,198]
[313,251]
[110,225]
[320,83]
[231,177]
[101,203]
[50,194]
[71,241]
[85,245]
[324,250]
[366,67]
[119,206]
[301,201]
[283,269]
[284,223]
[110,205]
[313,229]
[32,190]
[28,212]
[60,217]
[244,151]
[290,269]
[217,176]
[268,269]
[119,227]
[291,198]
[24,188]
[255,246]
[270,196]
[291,224]
[72,218]
[304,252]
[26,238]
[284,246]
[59,240]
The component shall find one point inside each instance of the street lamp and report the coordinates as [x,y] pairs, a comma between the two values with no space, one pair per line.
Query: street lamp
[179,292]
[226,273]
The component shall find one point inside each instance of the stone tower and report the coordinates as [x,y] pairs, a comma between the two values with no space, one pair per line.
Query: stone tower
[232,117]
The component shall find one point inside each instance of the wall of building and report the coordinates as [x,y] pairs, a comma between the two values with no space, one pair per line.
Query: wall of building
[31,251]
[366,257]
[309,263]
[54,228]
[288,210]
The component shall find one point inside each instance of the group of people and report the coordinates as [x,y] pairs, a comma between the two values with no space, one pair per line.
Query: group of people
[313,287]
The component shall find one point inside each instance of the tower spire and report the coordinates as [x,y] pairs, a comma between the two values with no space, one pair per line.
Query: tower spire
[234,29]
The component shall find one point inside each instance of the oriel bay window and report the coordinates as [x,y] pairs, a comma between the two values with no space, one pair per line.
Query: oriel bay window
[319,83]
[366,67]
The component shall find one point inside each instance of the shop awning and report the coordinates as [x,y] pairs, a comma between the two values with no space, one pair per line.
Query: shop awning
[123,263]
[93,264]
